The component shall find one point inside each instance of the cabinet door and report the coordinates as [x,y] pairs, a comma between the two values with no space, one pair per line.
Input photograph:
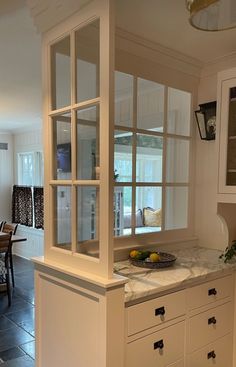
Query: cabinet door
[209,326]
[217,354]
[227,149]
[210,292]
[155,312]
[161,349]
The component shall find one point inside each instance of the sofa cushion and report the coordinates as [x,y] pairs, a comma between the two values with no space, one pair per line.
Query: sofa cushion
[139,219]
[152,217]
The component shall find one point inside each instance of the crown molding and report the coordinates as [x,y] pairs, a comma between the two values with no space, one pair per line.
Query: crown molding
[158,53]
[221,63]
[46,14]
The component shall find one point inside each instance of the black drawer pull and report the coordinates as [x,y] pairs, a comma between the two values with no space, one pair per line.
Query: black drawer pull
[211,355]
[160,311]
[159,344]
[212,292]
[212,320]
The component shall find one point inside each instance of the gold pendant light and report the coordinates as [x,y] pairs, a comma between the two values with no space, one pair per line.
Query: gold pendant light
[212,15]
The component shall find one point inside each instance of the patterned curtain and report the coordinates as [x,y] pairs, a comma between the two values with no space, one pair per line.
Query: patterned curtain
[22,205]
[38,207]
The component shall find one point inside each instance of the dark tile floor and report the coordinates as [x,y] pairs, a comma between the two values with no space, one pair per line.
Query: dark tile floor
[17,321]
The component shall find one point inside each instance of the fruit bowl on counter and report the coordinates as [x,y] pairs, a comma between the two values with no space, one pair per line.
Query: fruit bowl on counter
[151,259]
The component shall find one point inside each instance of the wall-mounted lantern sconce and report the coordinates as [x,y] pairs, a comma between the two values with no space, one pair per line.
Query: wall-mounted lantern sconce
[206,120]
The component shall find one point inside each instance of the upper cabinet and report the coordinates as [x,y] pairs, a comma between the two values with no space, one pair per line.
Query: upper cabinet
[226,113]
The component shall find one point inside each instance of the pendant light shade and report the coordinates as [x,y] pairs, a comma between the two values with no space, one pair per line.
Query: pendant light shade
[212,15]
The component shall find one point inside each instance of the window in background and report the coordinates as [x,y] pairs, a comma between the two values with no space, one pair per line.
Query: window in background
[30,169]
[151,156]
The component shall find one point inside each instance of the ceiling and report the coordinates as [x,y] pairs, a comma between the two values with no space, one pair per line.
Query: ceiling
[162,21]
[20,68]
[166,23]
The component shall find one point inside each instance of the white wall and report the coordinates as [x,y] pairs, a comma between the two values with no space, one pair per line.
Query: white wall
[6,177]
[208,226]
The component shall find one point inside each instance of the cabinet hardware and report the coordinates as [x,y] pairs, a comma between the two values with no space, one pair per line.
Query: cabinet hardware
[212,320]
[212,292]
[211,354]
[160,311]
[159,344]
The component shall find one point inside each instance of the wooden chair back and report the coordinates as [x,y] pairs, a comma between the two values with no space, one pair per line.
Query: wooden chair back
[9,227]
[5,242]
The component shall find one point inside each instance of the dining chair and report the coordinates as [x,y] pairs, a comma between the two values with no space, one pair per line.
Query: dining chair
[1,224]
[7,228]
[5,250]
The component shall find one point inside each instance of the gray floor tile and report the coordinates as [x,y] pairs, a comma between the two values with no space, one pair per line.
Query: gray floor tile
[13,337]
[24,361]
[29,348]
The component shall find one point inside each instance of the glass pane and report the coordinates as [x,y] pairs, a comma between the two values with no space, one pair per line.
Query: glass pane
[123,99]
[62,147]
[122,210]
[176,213]
[177,160]
[231,149]
[87,56]
[88,143]
[179,107]
[123,156]
[62,219]
[60,71]
[149,158]
[150,113]
[148,207]
[87,214]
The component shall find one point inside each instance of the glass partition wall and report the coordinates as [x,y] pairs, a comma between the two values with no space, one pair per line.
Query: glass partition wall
[79,230]
[151,160]
[75,131]
[110,172]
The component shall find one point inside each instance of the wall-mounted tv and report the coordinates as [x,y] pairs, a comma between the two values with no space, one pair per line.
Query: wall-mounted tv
[64,157]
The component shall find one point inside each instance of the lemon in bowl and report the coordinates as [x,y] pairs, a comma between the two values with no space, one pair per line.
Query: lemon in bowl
[154,257]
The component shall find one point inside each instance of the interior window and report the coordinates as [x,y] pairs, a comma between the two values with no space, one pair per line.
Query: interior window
[151,156]
[30,169]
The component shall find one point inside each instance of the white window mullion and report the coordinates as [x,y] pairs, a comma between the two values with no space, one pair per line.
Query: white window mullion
[163,205]
[134,157]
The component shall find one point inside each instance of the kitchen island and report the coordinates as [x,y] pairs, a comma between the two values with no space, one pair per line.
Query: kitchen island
[182,315]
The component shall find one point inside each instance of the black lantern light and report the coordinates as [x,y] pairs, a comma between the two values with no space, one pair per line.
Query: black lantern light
[206,120]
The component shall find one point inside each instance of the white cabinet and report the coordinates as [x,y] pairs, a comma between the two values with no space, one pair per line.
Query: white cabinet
[226,121]
[188,328]
[217,354]
[157,349]
[155,312]
[209,326]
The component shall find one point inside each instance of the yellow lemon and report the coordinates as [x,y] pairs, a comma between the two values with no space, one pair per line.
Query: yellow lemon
[154,257]
[133,253]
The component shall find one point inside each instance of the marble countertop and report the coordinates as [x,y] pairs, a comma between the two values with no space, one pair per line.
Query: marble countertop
[192,265]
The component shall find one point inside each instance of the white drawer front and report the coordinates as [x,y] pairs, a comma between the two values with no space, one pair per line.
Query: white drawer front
[210,325]
[177,364]
[210,292]
[155,312]
[216,354]
[148,351]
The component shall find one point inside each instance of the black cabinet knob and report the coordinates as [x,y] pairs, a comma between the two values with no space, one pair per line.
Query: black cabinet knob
[212,292]
[212,320]
[211,354]
[159,344]
[160,311]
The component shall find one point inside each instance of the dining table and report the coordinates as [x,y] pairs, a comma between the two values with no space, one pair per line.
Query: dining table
[14,238]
